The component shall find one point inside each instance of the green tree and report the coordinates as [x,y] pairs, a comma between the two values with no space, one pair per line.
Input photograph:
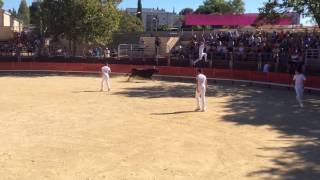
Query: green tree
[214,6]
[35,13]
[23,12]
[186,11]
[13,12]
[221,7]
[274,9]
[89,21]
[139,10]
[114,2]
[163,28]
[237,6]
[99,22]
[1,3]
[130,23]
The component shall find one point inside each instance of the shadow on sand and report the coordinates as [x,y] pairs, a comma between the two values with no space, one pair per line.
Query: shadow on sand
[279,109]
[88,91]
[258,106]
[172,113]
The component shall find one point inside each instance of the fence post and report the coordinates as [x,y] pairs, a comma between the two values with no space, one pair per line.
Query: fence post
[231,60]
[143,54]
[211,60]
[191,60]
[169,59]
[277,63]
[259,61]
[118,52]
[131,49]
[157,58]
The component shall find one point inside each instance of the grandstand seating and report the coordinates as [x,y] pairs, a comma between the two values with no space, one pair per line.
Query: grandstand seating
[179,51]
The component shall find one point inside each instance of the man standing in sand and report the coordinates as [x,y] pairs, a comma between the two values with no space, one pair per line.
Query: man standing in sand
[105,70]
[201,86]
[299,79]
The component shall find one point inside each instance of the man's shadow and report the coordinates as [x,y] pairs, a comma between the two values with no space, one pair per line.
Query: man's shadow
[88,91]
[172,113]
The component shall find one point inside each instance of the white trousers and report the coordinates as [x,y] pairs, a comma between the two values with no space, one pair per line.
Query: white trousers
[299,93]
[201,57]
[105,79]
[201,99]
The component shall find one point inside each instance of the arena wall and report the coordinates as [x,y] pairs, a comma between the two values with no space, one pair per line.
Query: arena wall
[279,79]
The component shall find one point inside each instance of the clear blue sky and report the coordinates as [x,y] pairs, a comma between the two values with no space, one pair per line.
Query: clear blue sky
[251,5]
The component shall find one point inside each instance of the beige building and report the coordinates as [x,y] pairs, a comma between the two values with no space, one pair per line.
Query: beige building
[16,25]
[9,25]
[154,18]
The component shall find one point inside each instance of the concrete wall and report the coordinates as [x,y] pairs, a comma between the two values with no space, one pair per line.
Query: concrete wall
[5,33]
[8,25]
[167,43]
[16,25]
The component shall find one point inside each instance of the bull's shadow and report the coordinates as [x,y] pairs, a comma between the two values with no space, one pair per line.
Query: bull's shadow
[176,91]
[186,90]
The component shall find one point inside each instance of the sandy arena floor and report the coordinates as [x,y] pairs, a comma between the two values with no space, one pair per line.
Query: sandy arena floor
[62,128]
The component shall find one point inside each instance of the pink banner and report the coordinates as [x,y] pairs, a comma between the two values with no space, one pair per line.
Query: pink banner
[228,20]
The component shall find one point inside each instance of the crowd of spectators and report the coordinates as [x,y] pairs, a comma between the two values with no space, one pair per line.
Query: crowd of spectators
[286,47]
[20,43]
[285,44]
[27,44]
[277,46]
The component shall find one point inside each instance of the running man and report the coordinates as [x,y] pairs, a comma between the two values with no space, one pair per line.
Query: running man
[299,79]
[201,53]
[105,70]
[201,86]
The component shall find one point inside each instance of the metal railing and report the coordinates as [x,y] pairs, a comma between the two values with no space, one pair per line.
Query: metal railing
[137,54]
[130,51]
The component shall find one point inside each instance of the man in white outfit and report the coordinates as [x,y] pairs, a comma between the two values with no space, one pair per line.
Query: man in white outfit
[105,70]
[299,79]
[201,86]
[201,53]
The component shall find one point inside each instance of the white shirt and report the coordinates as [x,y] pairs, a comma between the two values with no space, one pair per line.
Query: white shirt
[106,71]
[299,79]
[201,79]
[266,68]
[201,49]
[241,50]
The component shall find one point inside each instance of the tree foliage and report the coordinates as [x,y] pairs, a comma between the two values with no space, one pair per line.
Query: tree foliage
[273,9]
[130,23]
[186,11]
[1,3]
[237,6]
[13,12]
[139,10]
[23,12]
[89,21]
[35,13]
[221,7]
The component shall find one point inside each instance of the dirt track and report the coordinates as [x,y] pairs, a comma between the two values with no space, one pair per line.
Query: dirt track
[56,127]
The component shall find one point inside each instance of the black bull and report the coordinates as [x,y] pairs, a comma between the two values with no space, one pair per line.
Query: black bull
[143,73]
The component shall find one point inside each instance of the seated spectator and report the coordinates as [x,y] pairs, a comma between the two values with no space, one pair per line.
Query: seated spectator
[107,53]
[241,51]
[266,68]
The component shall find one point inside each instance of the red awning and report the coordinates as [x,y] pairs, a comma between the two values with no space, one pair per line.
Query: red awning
[228,20]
